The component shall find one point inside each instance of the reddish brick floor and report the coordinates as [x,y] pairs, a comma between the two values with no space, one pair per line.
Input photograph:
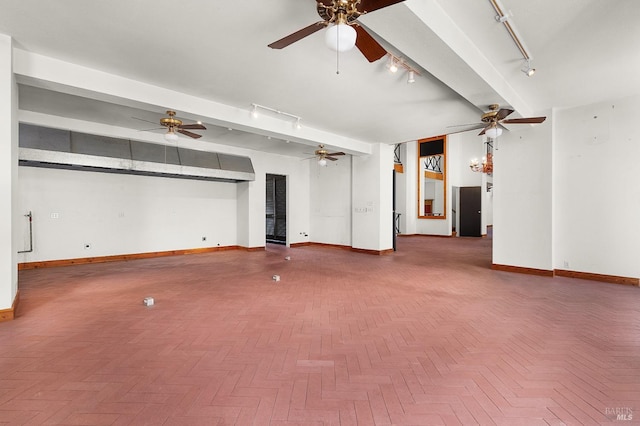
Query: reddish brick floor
[429,335]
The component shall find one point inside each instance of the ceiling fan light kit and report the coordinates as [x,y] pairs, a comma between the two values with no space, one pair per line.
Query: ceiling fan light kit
[340,37]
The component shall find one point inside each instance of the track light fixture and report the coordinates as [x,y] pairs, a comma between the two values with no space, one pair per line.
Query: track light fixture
[411,77]
[504,19]
[254,113]
[527,68]
[396,63]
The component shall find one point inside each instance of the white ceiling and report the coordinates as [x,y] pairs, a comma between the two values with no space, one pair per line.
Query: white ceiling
[584,50]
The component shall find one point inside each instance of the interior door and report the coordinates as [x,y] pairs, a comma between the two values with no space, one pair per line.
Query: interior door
[470,211]
[276,209]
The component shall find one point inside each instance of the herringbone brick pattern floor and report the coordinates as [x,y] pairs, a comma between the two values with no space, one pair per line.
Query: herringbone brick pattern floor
[429,335]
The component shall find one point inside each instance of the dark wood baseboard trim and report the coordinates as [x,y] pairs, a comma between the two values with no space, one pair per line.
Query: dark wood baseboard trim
[335,246]
[425,235]
[598,277]
[10,314]
[121,257]
[522,270]
[295,245]
[374,252]
[342,247]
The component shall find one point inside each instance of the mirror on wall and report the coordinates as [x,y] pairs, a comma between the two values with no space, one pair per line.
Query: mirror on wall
[432,178]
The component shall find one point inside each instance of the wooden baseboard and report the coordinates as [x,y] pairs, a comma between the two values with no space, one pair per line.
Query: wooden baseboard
[251,249]
[10,314]
[522,270]
[374,252]
[598,277]
[294,245]
[121,257]
[343,247]
[335,246]
[425,235]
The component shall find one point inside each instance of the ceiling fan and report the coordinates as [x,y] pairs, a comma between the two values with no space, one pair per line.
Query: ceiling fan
[493,120]
[323,155]
[175,125]
[340,16]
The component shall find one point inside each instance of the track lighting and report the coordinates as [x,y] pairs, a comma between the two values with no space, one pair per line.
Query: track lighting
[527,68]
[504,19]
[254,114]
[394,65]
[411,77]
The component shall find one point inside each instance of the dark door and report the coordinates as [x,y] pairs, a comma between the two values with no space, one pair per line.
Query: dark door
[470,215]
[276,209]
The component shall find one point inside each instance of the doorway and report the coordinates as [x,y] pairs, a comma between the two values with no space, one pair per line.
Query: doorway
[470,211]
[276,209]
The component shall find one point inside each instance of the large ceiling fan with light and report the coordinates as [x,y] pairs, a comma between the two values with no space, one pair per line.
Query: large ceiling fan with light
[175,125]
[322,154]
[493,120]
[343,31]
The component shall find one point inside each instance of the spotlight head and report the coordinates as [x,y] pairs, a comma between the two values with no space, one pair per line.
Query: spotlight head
[527,69]
[411,78]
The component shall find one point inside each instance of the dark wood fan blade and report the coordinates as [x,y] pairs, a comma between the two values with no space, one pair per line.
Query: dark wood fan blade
[336,153]
[371,5]
[192,127]
[504,112]
[530,120]
[330,158]
[146,121]
[298,35]
[474,127]
[188,133]
[369,47]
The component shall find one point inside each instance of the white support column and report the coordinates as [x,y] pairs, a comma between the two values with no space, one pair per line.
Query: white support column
[251,212]
[372,218]
[8,180]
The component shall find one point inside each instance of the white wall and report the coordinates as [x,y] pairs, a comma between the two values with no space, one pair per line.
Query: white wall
[123,214]
[9,213]
[522,197]
[372,189]
[330,190]
[597,189]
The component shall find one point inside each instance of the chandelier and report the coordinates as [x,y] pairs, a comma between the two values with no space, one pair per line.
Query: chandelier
[486,165]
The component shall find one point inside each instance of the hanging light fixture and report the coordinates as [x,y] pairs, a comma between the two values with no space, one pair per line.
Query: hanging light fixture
[171,136]
[486,166]
[340,37]
[493,132]
[322,162]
